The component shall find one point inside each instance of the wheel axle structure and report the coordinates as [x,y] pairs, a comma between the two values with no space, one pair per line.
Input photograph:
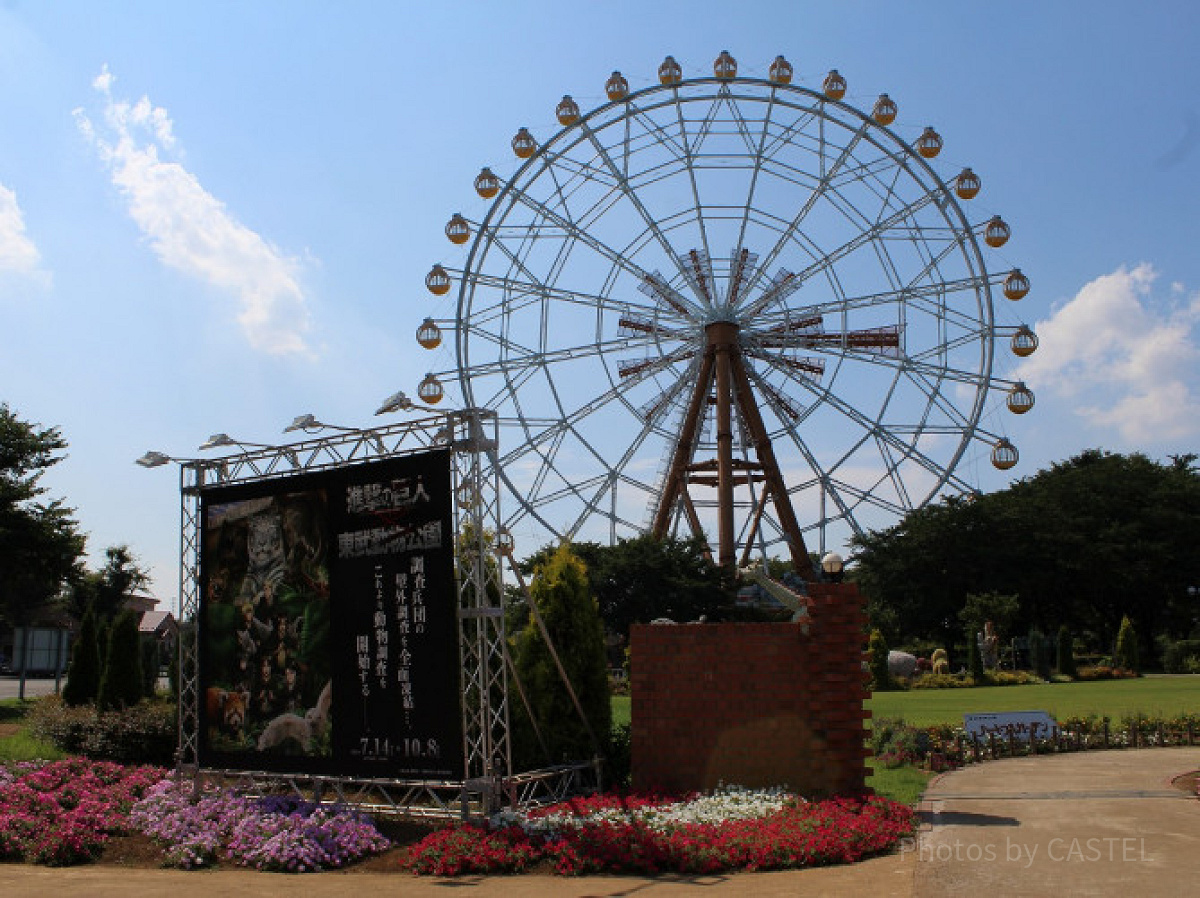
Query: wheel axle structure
[733,306]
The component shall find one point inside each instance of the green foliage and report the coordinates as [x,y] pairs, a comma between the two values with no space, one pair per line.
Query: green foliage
[560,593]
[83,674]
[1073,541]
[638,580]
[1126,653]
[1182,656]
[877,662]
[941,681]
[22,746]
[121,682]
[39,541]
[105,590]
[1066,652]
[145,733]
[980,608]
[618,759]
[148,647]
[974,659]
[1039,653]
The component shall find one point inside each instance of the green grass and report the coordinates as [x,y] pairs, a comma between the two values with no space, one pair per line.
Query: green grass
[903,784]
[1152,695]
[21,746]
[622,709]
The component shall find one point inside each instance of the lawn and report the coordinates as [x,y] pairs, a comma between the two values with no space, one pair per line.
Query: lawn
[1152,695]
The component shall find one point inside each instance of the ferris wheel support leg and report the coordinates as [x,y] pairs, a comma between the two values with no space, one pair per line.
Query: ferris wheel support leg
[724,336]
[675,484]
[774,485]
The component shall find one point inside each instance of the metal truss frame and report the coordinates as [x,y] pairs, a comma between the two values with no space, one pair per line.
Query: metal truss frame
[488,782]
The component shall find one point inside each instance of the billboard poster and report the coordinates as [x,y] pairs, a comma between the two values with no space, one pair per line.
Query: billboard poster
[328,624]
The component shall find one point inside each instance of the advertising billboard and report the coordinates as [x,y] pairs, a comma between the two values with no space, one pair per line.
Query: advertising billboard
[328,628]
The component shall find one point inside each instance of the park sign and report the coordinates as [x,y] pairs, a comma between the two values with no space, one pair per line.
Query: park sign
[328,637]
[1021,725]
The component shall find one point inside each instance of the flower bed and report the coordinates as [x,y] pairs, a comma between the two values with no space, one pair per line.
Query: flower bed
[272,833]
[733,829]
[946,746]
[62,812]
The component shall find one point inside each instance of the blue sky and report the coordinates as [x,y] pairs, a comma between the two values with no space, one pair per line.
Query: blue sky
[218,216]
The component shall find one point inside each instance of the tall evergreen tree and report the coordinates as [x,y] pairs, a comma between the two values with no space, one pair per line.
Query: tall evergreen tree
[1066,652]
[83,675]
[1126,655]
[121,683]
[560,593]
[877,662]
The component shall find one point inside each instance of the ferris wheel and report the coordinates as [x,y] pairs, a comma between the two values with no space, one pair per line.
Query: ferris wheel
[729,305]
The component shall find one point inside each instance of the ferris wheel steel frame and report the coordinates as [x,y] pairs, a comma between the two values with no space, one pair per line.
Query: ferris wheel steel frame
[518,273]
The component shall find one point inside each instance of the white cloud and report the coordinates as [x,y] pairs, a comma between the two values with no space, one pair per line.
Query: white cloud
[1127,359]
[17,252]
[190,229]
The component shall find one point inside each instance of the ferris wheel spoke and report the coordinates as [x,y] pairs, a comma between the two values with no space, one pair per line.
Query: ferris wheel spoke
[822,185]
[869,428]
[509,288]
[570,231]
[559,426]
[632,197]
[613,475]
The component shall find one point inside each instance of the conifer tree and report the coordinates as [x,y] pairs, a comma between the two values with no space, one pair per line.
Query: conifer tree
[121,684]
[877,662]
[83,674]
[1126,655]
[560,593]
[1066,652]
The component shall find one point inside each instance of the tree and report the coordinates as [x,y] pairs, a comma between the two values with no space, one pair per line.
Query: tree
[1039,653]
[106,590]
[39,541]
[877,662]
[1074,542]
[638,580]
[989,606]
[560,593]
[975,660]
[1066,652]
[121,683]
[1126,654]
[83,675]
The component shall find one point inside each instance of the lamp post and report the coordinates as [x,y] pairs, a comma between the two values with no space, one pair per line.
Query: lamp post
[309,423]
[834,567]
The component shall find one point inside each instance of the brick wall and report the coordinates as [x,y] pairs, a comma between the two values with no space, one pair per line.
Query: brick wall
[754,704]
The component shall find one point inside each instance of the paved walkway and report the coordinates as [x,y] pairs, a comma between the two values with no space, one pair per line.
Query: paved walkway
[1094,824]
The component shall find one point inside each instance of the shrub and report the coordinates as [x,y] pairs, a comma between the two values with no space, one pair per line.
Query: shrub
[83,675]
[877,662]
[894,743]
[146,732]
[974,658]
[1066,652]
[942,681]
[1011,678]
[1182,657]
[561,595]
[1126,654]
[1104,672]
[619,758]
[1039,653]
[121,684]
